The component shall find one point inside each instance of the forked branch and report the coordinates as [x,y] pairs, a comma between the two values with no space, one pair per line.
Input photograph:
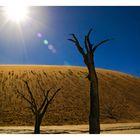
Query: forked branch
[99,44]
[77,44]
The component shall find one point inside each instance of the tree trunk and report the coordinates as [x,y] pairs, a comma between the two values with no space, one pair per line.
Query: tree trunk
[94,122]
[94,116]
[37,124]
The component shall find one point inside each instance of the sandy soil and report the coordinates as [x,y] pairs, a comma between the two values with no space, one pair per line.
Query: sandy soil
[119,128]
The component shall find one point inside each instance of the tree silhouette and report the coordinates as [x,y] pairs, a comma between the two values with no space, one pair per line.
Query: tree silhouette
[37,110]
[88,56]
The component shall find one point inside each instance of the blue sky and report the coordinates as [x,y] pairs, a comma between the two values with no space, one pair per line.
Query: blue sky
[42,38]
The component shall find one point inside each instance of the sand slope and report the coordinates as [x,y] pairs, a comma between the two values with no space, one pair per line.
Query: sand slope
[119,95]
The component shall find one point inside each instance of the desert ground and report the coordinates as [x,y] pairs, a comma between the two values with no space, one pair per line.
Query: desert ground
[119,128]
[119,99]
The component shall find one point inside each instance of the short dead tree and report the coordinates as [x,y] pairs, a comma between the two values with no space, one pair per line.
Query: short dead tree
[38,108]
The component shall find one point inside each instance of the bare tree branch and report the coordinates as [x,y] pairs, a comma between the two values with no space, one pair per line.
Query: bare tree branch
[72,40]
[54,95]
[45,101]
[75,40]
[23,96]
[32,109]
[86,46]
[45,108]
[102,42]
[88,40]
[30,93]
[89,32]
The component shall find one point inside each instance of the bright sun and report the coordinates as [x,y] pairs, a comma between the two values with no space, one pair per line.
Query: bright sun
[16,13]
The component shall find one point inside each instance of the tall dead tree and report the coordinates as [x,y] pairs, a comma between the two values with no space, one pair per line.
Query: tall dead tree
[37,110]
[88,56]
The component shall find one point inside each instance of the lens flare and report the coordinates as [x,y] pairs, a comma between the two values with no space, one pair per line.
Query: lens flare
[46,42]
[52,48]
[39,35]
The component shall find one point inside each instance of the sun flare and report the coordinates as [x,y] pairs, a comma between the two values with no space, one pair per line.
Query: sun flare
[16,13]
